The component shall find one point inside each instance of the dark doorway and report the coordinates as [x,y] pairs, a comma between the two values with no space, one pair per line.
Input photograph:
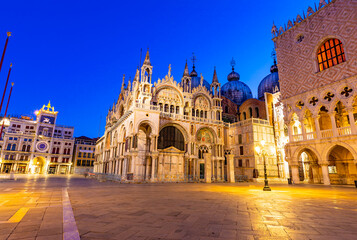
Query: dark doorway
[202,170]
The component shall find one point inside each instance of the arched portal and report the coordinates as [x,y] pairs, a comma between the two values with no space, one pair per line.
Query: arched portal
[171,148]
[309,170]
[206,139]
[201,153]
[171,136]
[341,167]
[38,165]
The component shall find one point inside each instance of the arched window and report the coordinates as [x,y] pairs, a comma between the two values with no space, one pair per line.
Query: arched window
[172,109]
[226,109]
[13,148]
[250,112]
[166,108]
[23,148]
[171,136]
[257,112]
[201,151]
[330,54]
[244,116]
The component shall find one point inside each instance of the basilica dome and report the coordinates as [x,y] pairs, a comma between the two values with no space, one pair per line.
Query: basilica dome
[196,81]
[270,83]
[236,90]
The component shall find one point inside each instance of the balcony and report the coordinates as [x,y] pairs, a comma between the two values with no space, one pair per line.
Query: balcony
[144,106]
[298,137]
[250,121]
[180,117]
[344,131]
[328,133]
[310,135]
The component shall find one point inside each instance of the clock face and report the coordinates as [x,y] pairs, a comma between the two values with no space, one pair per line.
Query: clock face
[42,146]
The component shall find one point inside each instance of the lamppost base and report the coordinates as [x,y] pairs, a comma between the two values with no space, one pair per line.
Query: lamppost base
[266,188]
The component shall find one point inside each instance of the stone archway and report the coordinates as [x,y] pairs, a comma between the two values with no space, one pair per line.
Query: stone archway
[304,165]
[341,166]
[309,169]
[38,165]
[171,148]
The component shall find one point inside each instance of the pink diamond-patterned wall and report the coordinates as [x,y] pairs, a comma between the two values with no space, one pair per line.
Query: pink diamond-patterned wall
[297,48]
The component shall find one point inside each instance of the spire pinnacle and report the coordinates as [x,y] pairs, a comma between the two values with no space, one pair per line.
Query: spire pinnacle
[147,58]
[185,72]
[215,78]
[122,83]
[136,78]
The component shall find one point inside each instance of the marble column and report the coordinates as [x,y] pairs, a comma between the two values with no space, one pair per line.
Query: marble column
[333,123]
[153,169]
[303,129]
[230,168]
[317,127]
[208,172]
[147,168]
[352,121]
[315,174]
[194,169]
[325,174]
[214,170]
[295,174]
[222,170]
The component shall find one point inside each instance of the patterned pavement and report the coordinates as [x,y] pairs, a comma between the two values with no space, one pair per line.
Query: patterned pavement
[62,207]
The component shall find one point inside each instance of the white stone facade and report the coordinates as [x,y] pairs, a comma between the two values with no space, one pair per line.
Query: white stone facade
[36,146]
[172,132]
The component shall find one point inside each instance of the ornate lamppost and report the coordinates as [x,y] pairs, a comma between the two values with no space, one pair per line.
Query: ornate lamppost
[262,152]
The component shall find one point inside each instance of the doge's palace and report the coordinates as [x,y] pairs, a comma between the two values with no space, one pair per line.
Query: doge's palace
[317,55]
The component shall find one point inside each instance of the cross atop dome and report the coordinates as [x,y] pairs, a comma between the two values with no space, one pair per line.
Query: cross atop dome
[193,59]
[274,67]
[233,63]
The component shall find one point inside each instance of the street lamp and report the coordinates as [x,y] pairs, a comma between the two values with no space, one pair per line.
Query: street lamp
[261,151]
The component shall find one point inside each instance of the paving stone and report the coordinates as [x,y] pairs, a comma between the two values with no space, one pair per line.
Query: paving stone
[180,211]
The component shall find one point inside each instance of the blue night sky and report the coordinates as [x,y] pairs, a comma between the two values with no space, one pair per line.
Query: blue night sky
[74,53]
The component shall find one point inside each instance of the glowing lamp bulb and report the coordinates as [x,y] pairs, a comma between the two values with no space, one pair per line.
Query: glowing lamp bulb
[257,149]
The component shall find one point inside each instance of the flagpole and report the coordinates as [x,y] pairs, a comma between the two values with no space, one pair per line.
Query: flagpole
[3,53]
[7,106]
[7,80]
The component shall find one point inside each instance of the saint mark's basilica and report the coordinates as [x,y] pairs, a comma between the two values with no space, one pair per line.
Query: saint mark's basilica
[195,129]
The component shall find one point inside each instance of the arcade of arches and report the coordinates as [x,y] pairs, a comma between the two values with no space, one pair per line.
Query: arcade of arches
[168,156]
[338,168]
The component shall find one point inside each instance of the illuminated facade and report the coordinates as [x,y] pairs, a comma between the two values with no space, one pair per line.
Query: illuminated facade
[174,131]
[83,154]
[318,78]
[37,146]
